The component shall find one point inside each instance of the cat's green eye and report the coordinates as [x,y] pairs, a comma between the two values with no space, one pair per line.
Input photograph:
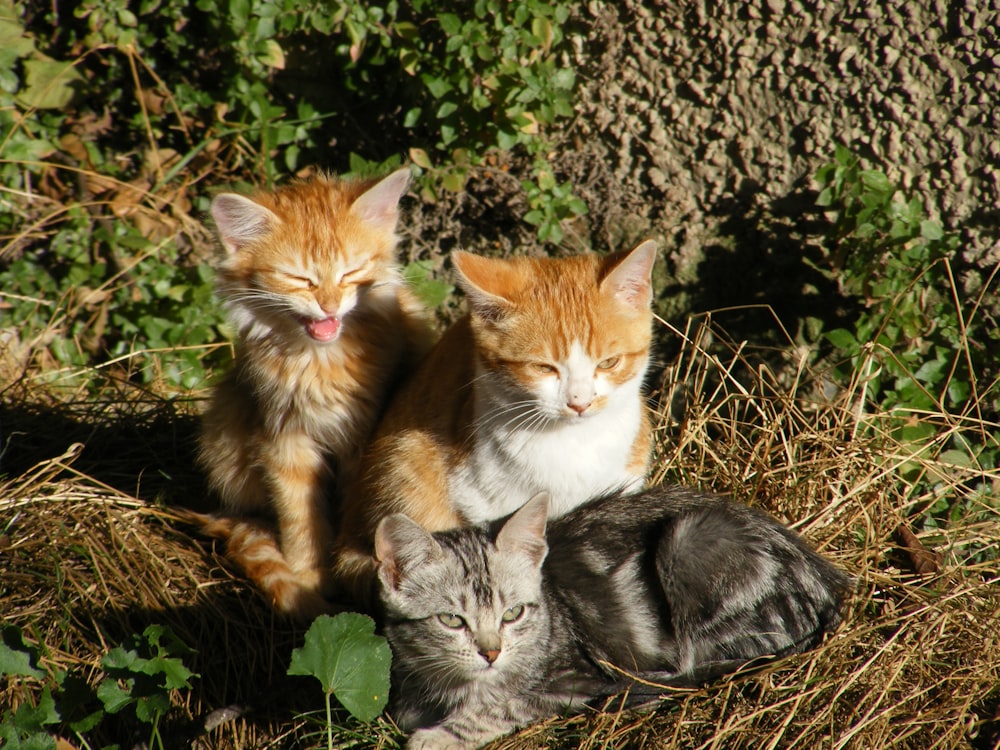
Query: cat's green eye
[513,614]
[451,621]
[544,368]
[608,364]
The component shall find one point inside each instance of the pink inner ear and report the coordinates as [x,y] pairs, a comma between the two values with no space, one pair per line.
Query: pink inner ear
[381,201]
[240,220]
[630,280]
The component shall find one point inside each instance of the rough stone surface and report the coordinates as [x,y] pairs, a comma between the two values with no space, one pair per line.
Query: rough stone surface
[699,115]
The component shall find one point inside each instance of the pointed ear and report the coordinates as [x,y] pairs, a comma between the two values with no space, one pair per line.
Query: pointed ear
[479,277]
[380,203]
[630,281]
[240,220]
[524,531]
[400,545]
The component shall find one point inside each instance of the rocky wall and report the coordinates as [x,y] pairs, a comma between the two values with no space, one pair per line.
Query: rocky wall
[699,113]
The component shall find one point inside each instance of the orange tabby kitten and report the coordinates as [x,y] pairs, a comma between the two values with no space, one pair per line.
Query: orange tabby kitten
[324,323]
[538,389]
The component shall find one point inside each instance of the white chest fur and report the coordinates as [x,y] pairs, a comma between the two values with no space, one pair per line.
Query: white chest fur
[572,459]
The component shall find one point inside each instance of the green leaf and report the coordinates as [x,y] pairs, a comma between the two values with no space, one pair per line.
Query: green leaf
[113,696]
[842,339]
[349,660]
[454,181]
[49,84]
[877,181]
[272,55]
[450,23]
[432,292]
[931,230]
[16,657]
[956,458]
[419,157]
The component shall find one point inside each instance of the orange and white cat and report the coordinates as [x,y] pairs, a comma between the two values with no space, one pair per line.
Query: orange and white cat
[324,325]
[538,389]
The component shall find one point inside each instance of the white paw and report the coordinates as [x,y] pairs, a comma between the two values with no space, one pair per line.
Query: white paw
[436,738]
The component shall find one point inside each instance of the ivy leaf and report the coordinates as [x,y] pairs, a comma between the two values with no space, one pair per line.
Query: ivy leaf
[349,660]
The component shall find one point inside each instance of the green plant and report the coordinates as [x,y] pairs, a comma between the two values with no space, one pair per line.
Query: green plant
[918,349]
[350,662]
[142,673]
[478,77]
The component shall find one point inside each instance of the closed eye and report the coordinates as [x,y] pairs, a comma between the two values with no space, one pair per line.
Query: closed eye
[452,621]
[355,275]
[303,282]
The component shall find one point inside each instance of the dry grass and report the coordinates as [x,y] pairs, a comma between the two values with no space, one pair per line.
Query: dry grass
[92,553]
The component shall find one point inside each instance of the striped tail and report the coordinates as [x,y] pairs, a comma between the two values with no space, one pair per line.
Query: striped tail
[253,546]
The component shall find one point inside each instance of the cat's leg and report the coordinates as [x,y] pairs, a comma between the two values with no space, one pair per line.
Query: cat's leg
[228,444]
[299,477]
[472,726]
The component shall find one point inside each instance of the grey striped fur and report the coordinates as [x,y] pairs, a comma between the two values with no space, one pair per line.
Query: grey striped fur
[670,585]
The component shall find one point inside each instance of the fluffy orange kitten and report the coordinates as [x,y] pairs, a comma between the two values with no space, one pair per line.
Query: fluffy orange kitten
[538,389]
[324,323]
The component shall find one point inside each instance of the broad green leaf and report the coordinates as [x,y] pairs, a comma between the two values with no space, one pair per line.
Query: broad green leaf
[956,458]
[349,660]
[877,181]
[24,729]
[16,657]
[931,230]
[149,708]
[49,84]
[113,696]
[825,197]
[842,339]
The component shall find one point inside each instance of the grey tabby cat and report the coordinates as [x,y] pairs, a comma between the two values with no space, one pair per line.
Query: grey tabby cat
[671,585]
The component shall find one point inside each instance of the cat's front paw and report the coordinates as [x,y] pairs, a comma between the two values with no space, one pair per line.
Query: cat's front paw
[436,738]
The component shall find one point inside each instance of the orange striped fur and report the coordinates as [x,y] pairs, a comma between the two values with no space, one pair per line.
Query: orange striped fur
[538,389]
[324,326]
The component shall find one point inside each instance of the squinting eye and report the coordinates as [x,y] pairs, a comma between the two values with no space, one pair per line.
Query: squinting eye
[544,368]
[513,614]
[304,281]
[608,364]
[353,276]
[452,621]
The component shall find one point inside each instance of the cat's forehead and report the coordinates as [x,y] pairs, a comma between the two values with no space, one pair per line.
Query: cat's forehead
[473,574]
[318,227]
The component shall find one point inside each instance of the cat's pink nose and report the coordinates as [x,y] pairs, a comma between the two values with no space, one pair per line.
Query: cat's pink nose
[490,654]
[579,408]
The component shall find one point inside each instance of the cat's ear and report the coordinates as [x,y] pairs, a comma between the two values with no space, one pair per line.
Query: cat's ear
[524,532]
[630,281]
[401,544]
[480,279]
[240,220]
[380,203]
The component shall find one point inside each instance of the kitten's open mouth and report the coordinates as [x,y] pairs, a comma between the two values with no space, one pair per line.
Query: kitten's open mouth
[324,329]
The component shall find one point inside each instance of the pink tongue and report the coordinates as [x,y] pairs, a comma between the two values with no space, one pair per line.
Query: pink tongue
[323,330]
